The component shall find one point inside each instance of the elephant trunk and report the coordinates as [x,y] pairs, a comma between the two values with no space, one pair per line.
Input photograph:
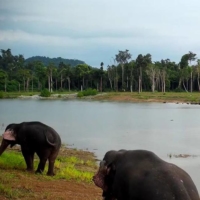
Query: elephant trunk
[4,145]
[99,177]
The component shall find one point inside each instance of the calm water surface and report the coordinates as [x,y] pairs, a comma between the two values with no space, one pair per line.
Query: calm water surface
[102,126]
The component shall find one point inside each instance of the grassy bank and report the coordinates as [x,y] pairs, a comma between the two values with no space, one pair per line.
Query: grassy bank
[178,97]
[74,166]
[151,97]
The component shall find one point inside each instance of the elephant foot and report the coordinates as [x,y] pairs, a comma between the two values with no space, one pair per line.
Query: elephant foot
[29,169]
[38,171]
[50,174]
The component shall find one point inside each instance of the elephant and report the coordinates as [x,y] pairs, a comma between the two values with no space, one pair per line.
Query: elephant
[142,175]
[34,137]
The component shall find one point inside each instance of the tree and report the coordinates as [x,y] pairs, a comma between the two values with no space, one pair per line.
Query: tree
[101,68]
[50,69]
[25,75]
[191,57]
[141,63]
[152,71]
[40,74]
[129,68]
[111,75]
[61,71]
[198,72]
[82,70]
[163,73]
[3,80]
[68,73]
[122,57]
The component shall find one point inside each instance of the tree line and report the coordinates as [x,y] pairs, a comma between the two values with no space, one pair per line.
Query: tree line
[124,74]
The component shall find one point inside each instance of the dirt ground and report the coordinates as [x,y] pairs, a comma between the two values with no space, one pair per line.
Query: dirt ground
[29,186]
[38,189]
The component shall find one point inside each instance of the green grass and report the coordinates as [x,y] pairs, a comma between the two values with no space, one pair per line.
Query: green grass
[65,167]
[188,97]
[193,97]
[12,160]
[30,93]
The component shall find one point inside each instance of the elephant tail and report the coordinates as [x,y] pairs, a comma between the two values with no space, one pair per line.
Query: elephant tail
[50,143]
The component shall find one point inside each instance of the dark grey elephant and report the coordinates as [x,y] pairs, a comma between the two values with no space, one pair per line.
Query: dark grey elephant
[142,175]
[34,137]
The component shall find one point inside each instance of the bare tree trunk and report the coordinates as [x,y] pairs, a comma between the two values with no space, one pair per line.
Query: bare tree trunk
[32,83]
[27,84]
[24,84]
[38,84]
[116,84]
[184,87]
[61,81]
[69,82]
[110,83]
[139,82]
[140,79]
[122,76]
[191,83]
[19,87]
[83,83]
[179,83]
[5,86]
[198,81]
[101,84]
[49,83]
[164,86]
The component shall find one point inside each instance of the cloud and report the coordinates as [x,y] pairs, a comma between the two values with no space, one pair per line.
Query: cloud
[94,31]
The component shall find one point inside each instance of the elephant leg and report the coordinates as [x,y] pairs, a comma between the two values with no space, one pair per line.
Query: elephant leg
[28,156]
[41,165]
[43,155]
[52,159]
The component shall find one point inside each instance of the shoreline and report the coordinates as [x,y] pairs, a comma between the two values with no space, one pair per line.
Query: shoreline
[123,97]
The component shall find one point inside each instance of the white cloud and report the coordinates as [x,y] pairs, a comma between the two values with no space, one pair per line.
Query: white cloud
[92,27]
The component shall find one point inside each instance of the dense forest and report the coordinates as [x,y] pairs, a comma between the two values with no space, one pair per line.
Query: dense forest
[125,74]
[56,61]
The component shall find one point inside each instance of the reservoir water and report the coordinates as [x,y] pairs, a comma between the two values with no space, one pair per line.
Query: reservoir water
[166,129]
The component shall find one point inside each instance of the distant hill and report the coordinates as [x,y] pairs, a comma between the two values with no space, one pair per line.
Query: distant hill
[56,61]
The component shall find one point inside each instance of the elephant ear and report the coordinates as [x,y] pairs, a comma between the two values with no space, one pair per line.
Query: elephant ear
[111,168]
[9,135]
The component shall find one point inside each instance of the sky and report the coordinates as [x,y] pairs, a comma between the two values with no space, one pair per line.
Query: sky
[94,31]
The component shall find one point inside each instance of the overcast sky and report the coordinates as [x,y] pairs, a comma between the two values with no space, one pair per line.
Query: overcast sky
[95,30]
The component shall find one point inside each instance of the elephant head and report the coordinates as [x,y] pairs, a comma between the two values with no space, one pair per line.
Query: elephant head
[8,138]
[107,167]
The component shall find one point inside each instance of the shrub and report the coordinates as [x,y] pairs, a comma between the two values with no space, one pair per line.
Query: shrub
[89,92]
[1,95]
[45,93]
[80,94]
[12,86]
[178,90]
